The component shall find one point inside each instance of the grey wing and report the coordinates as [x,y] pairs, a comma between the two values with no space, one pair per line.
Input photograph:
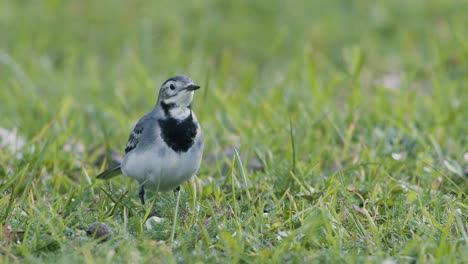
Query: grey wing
[138,132]
[134,138]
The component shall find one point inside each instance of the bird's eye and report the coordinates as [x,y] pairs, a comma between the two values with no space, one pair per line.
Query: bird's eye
[172,86]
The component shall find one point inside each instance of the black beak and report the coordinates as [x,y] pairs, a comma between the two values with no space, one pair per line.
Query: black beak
[192,87]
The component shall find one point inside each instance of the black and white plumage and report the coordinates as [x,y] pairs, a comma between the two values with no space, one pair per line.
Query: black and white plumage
[165,148]
[133,139]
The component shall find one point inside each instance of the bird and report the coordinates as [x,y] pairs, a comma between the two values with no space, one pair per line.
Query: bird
[165,148]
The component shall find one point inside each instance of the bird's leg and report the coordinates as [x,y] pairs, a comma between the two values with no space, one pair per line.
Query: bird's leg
[177,189]
[141,193]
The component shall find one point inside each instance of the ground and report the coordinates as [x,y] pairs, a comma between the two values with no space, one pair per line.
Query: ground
[348,117]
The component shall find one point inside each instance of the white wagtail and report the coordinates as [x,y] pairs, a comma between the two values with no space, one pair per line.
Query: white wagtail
[166,146]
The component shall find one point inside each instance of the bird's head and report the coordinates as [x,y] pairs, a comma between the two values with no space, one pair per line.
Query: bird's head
[177,91]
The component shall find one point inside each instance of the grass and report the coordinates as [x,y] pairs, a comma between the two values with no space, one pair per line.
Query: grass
[355,109]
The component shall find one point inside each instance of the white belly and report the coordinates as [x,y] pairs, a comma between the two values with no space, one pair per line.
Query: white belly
[158,173]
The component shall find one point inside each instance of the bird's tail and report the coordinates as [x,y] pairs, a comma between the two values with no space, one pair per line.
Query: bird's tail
[112,172]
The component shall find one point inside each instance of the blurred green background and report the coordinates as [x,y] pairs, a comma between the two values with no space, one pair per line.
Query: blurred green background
[115,54]
[327,95]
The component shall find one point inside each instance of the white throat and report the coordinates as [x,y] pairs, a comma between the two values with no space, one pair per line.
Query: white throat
[180,112]
[182,102]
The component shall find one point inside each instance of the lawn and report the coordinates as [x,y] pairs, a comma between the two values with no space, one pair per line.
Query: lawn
[335,131]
